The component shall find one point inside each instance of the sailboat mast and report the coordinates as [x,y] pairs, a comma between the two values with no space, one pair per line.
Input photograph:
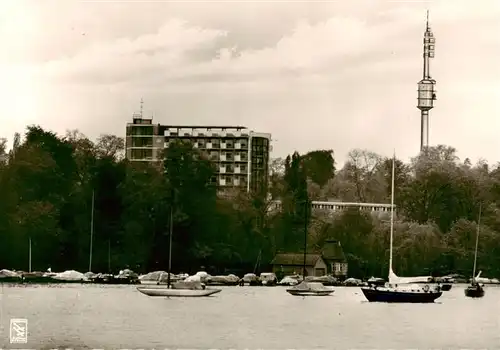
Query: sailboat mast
[305,240]
[170,243]
[91,232]
[477,243]
[29,267]
[109,256]
[257,262]
[392,213]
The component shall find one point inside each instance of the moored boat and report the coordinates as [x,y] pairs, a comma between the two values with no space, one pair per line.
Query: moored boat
[306,288]
[401,289]
[310,289]
[185,288]
[475,290]
[399,294]
[171,292]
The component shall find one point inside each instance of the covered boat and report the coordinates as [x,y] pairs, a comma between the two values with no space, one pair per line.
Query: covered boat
[310,289]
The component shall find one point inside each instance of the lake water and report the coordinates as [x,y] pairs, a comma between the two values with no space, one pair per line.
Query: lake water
[117,317]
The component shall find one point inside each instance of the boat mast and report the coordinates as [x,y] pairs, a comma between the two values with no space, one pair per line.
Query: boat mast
[29,267]
[91,232]
[477,243]
[257,262]
[109,255]
[305,240]
[392,215]
[170,243]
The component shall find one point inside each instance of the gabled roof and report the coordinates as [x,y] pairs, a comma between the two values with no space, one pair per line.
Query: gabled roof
[290,259]
[332,250]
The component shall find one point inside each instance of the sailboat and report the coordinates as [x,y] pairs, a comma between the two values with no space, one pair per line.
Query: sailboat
[305,288]
[401,289]
[179,289]
[475,290]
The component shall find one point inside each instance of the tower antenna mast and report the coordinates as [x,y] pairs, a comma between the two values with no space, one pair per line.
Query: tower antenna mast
[426,87]
[142,102]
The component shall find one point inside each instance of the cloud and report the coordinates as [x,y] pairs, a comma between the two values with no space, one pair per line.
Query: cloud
[134,59]
[330,46]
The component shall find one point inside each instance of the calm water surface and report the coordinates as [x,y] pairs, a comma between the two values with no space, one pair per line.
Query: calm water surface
[112,317]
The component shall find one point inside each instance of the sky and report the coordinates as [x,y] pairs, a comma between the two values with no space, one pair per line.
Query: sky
[316,75]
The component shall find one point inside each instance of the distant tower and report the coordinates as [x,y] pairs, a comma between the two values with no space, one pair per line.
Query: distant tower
[426,88]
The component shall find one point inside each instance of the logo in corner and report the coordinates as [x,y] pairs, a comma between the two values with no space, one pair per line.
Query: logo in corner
[18,331]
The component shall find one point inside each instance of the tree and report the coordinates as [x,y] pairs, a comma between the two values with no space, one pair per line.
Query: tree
[319,166]
[110,146]
[360,170]
[193,196]
[296,204]
[47,182]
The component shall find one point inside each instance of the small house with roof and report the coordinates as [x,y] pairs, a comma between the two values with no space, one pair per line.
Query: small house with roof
[334,257]
[292,264]
[330,261]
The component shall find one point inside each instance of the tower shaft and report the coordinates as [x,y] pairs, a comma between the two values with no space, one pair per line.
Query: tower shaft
[426,87]
[424,130]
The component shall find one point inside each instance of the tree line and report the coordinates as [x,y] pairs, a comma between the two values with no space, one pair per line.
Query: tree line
[47,183]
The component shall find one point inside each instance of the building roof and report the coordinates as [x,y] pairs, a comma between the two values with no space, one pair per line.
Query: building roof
[291,259]
[332,250]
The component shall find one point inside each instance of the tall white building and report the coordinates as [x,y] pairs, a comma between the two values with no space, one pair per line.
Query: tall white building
[241,156]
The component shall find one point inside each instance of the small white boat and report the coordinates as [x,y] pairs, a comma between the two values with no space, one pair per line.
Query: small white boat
[186,288]
[169,292]
[310,289]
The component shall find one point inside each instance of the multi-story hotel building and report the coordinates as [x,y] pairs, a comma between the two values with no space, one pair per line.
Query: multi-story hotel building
[241,156]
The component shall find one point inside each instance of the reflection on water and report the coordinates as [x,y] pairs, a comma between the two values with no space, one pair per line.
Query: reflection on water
[108,317]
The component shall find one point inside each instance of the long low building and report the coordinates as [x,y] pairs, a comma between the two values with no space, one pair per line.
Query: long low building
[334,206]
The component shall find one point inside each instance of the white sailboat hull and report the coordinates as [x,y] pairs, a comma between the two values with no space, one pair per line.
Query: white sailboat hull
[183,293]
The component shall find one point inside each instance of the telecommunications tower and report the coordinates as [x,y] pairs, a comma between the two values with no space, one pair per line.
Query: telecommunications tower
[426,87]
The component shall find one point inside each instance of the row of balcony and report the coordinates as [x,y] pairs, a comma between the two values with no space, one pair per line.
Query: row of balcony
[229,157]
[222,145]
[205,133]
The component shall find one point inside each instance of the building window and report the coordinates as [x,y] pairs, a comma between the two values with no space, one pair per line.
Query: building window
[214,156]
[141,154]
[142,142]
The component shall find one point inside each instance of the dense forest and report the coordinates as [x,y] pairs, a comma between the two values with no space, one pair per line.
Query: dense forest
[47,183]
